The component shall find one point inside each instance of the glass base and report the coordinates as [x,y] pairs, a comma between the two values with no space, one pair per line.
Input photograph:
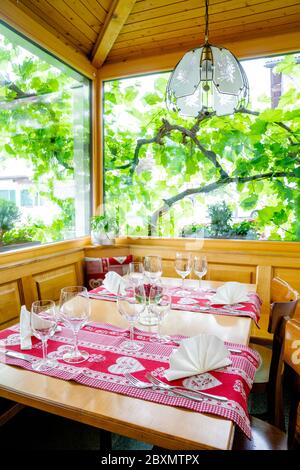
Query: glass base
[75,358]
[148,320]
[131,346]
[164,339]
[44,365]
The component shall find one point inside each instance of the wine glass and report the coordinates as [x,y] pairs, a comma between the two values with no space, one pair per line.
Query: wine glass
[136,272]
[160,305]
[75,310]
[200,268]
[131,302]
[183,265]
[43,322]
[153,267]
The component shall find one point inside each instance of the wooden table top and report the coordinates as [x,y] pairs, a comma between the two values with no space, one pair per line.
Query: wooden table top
[161,425]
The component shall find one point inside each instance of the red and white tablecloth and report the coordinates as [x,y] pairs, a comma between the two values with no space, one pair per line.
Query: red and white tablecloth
[190,300]
[109,359]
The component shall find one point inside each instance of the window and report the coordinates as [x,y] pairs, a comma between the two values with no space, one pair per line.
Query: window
[238,177]
[44,144]
[8,195]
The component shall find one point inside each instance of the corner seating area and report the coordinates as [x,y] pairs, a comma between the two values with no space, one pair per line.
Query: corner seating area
[40,273]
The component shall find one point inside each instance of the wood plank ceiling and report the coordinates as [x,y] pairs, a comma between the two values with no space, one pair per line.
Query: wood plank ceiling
[117,30]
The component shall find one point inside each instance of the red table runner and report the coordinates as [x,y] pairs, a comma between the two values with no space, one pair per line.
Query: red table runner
[109,360]
[190,300]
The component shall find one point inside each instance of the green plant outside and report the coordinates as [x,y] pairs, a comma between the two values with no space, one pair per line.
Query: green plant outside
[155,166]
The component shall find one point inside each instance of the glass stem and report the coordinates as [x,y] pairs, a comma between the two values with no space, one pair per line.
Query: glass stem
[76,351]
[131,334]
[44,346]
[158,330]
[200,283]
[182,284]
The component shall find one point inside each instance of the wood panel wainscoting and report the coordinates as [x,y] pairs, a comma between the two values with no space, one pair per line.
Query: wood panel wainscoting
[40,272]
[249,261]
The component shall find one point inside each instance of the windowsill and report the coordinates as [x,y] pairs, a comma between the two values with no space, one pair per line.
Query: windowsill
[43,250]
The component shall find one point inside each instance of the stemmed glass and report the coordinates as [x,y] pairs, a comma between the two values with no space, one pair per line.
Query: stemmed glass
[75,310]
[160,305]
[183,265]
[200,268]
[136,272]
[43,322]
[153,267]
[131,302]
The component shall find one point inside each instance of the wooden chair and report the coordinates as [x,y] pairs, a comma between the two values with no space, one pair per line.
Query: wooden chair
[291,358]
[268,377]
[265,436]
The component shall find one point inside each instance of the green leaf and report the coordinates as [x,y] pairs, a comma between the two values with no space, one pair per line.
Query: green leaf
[9,149]
[249,202]
[272,115]
[151,98]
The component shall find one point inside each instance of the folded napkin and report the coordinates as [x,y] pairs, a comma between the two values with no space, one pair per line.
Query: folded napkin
[197,355]
[112,281]
[230,293]
[25,327]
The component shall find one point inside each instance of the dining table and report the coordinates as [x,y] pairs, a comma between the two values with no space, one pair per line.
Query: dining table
[161,425]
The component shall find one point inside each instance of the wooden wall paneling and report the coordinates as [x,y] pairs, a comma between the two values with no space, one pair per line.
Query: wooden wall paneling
[50,283]
[38,265]
[11,299]
[106,251]
[223,272]
[30,290]
[263,282]
[50,39]
[159,59]
[61,22]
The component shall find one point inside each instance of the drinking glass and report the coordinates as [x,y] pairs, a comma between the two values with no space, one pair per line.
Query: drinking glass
[43,322]
[153,267]
[136,272]
[131,302]
[183,265]
[75,310]
[200,268]
[160,305]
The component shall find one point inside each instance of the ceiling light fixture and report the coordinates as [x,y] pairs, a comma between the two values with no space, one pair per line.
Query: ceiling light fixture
[207,80]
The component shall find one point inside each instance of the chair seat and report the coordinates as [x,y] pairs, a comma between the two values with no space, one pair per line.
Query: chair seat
[264,437]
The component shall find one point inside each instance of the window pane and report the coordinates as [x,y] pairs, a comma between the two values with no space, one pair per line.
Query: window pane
[44,144]
[232,176]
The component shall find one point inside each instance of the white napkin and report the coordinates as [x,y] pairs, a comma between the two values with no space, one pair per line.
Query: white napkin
[230,293]
[112,281]
[197,355]
[25,328]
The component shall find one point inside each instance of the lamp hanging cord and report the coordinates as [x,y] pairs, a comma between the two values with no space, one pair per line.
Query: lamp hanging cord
[206,21]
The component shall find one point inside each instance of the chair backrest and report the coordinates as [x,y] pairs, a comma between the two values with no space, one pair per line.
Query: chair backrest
[281,312]
[292,359]
[282,291]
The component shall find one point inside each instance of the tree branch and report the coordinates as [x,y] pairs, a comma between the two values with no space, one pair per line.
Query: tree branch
[278,123]
[211,187]
[165,130]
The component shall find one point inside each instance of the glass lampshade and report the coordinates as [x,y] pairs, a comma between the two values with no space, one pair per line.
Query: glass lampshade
[207,79]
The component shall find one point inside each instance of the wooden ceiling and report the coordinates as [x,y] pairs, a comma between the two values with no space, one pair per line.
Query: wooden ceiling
[116,30]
